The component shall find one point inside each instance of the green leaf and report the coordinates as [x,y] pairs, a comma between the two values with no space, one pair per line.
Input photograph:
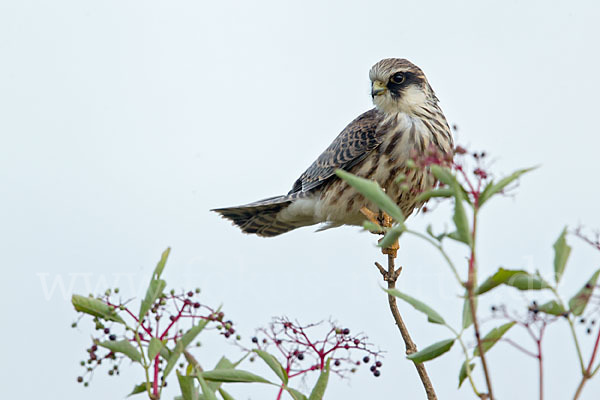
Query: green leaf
[527,282]
[232,375]
[467,316]
[578,302]
[124,347]
[519,279]
[161,264]
[373,192]
[319,389]
[443,175]
[460,218]
[185,340]
[429,231]
[141,388]
[154,291]
[95,307]
[225,395]
[552,307]
[207,392]
[187,386]
[223,363]
[391,236]
[462,375]
[440,192]
[296,395]
[561,255]
[492,337]
[432,315]
[373,227]
[432,351]
[272,362]
[492,188]
[154,347]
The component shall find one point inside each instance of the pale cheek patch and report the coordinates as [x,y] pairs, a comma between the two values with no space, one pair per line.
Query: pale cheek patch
[412,98]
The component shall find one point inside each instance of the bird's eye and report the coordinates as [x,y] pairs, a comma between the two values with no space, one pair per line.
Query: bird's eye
[398,78]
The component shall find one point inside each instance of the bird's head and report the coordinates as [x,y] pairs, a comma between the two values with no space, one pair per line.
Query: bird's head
[397,85]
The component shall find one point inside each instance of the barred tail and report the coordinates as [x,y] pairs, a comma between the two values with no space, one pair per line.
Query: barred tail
[260,217]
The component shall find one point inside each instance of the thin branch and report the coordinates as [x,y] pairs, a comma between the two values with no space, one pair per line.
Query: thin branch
[390,276]
[588,372]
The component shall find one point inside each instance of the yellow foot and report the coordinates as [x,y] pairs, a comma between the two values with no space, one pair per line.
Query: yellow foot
[384,220]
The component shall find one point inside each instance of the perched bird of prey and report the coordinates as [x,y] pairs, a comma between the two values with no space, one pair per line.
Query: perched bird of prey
[376,145]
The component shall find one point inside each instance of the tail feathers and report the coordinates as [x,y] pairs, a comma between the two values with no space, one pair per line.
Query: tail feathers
[260,217]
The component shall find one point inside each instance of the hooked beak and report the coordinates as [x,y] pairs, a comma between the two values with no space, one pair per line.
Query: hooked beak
[378,88]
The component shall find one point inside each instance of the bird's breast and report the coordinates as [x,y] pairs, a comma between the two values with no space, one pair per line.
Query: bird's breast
[387,165]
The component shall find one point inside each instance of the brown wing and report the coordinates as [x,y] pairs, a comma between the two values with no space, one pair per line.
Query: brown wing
[351,146]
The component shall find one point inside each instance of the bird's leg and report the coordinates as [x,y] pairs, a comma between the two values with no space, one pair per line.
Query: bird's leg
[385,221]
[371,216]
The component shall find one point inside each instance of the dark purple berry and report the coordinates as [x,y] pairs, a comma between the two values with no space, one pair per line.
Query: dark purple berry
[254,339]
[373,368]
[366,359]
[113,337]
[356,342]
[106,330]
[300,356]
[378,364]
[346,331]
[196,305]
[190,293]
[337,363]
[376,372]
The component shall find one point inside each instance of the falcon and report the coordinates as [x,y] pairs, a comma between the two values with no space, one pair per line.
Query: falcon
[377,145]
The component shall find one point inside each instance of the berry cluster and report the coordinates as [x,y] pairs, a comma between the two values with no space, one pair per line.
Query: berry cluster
[167,320]
[302,353]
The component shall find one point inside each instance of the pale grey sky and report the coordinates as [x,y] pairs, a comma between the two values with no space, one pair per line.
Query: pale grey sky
[123,122]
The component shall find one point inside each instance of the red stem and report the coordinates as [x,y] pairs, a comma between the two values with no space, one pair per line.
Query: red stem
[589,368]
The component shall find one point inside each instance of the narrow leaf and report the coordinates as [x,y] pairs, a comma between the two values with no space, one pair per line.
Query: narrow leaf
[432,351]
[296,395]
[443,175]
[519,279]
[460,218]
[155,289]
[373,192]
[552,307]
[391,236]
[124,347]
[95,307]
[373,227]
[578,302]
[207,392]
[440,192]
[272,362]
[225,395]
[223,363]
[187,386]
[432,315]
[154,347]
[319,389]
[493,188]
[467,315]
[232,375]
[462,375]
[161,264]
[141,388]
[185,340]
[492,337]
[561,255]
